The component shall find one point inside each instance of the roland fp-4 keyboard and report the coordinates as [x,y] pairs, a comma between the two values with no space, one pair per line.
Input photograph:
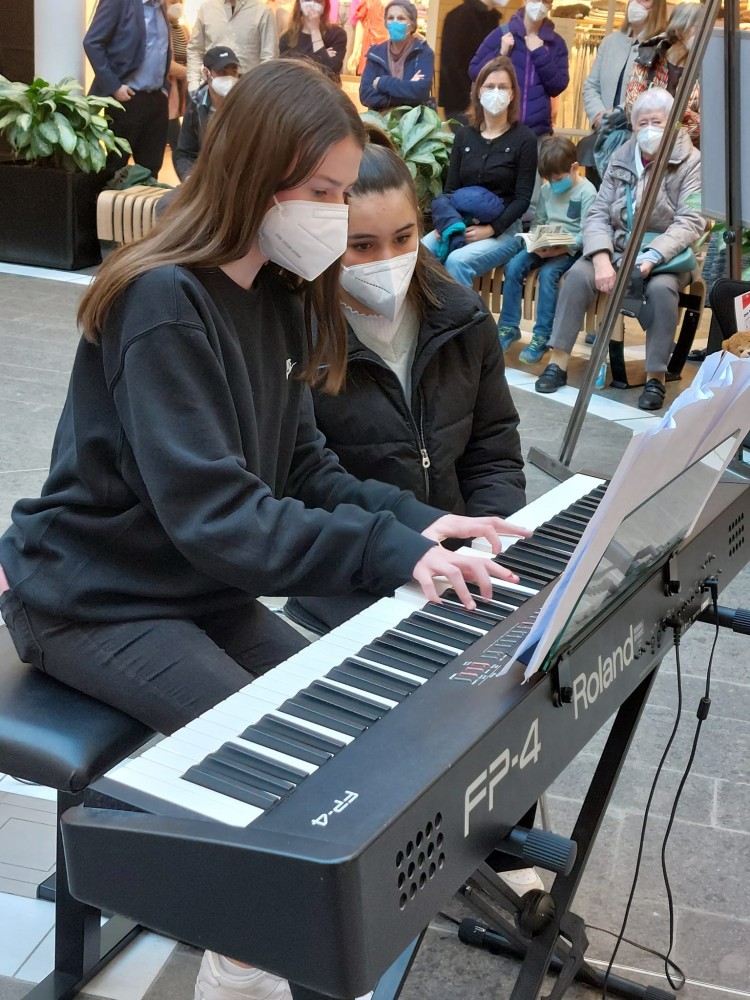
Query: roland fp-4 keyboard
[314,822]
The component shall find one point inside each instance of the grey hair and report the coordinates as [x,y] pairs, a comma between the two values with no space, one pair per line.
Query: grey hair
[655,99]
[684,17]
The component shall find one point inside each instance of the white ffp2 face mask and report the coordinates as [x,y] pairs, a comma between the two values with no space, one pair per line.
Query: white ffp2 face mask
[305,237]
[648,139]
[381,285]
[221,85]
[637,13]
[311,7]
[495,101]
[537,11]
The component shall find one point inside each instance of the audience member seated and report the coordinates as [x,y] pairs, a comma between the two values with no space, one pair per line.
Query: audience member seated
[311,35]
[605,233]
[495,152]
[220,73]
[564,200]
[540,59]
[660,61]
[399,71]
[425,405]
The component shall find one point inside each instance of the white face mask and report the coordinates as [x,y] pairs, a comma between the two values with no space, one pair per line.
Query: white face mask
[536,11]
[380,285]
[637,13]
[311,7]
[221,85]
[495,101]
[305,237]
[495,3]
[648,138]
[175,11]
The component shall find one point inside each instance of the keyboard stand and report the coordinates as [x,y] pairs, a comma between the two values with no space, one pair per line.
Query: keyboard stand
[560,947]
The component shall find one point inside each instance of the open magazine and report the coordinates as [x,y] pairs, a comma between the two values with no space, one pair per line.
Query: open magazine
[541,237]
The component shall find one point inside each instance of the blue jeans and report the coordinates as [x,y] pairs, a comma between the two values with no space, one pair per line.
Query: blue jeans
[478,258]
[551,269]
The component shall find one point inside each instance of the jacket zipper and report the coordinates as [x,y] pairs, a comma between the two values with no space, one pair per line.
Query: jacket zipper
[426,463]
[526,84]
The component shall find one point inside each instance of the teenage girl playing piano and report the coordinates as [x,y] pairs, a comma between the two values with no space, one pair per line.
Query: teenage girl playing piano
[187,474]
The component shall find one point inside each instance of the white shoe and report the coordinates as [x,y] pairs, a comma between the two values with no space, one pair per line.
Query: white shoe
[213,983]
[522,880]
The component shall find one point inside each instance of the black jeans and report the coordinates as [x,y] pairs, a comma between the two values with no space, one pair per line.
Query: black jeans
[143,122]
[163,671]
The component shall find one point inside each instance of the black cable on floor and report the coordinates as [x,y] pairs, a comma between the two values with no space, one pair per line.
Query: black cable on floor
[703,708]
[677,629]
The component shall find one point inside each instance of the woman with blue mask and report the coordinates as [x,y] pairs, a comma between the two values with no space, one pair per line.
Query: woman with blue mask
[399,71]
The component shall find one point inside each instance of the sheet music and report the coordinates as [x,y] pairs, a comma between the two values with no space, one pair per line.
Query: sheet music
[696,439]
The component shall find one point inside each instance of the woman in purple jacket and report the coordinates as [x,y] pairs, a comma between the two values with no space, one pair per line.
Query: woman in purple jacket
[540,59]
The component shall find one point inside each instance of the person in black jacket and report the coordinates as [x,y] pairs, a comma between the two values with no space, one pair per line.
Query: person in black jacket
[310,35]
[188,476]
[425,405]
[221,70]
[496,152]
[464,29]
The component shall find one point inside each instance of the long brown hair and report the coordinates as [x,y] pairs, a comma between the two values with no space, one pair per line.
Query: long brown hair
[269,135]
[655,23]
[382,169]
[296,21]
[476,111]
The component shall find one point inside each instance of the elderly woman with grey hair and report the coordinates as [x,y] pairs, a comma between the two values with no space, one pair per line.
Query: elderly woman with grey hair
[399,71]
[606,230]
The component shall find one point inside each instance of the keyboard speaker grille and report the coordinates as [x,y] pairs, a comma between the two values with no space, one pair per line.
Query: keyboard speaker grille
[419,862]
[736,534]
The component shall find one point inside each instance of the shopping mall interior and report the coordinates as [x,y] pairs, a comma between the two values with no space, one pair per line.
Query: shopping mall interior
[708,856]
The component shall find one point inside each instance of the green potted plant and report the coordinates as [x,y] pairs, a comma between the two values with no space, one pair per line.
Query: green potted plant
[423,140]
[59,140]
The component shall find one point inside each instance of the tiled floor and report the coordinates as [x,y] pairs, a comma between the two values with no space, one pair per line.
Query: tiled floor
[709,857]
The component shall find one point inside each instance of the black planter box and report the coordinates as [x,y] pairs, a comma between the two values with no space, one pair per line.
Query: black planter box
[48,217]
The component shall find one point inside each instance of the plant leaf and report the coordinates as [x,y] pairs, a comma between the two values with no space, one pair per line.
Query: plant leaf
[67,134]
[415,135]
[48,130]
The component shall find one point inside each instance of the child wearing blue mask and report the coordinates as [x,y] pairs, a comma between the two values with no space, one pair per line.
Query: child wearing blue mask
[398,71]
[564,200]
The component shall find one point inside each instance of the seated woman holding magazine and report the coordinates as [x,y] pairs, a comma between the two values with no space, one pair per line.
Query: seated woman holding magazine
[552,246]
[665,259]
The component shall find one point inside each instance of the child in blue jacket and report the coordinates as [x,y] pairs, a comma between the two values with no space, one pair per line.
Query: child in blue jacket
[564,200]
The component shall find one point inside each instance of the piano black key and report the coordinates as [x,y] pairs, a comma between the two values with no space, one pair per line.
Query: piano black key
[381,675]
[521,567]
[432,633]
[484,610]
[298,734]
[246,757]
[365,683]
[437,656]
[503,594]
[221,779]
[332,718]
[542,560]
[361,706]
[547,543]
[392,657]
[573,527]
[292,748]
[456,616]
[558,532]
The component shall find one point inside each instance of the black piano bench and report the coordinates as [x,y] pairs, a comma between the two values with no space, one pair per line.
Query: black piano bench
[54,736]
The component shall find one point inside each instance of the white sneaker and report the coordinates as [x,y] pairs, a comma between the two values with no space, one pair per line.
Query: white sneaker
[522,880]
[249,984]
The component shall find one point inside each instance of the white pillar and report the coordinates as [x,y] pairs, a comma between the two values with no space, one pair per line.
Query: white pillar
[59,27]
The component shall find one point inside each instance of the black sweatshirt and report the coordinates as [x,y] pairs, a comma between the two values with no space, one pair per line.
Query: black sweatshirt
[506,166]
[187,473]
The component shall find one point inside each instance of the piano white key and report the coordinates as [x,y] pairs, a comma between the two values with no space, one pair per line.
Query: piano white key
[208,742]
[360,693]
[403,674]
[183,753]
[157,780]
